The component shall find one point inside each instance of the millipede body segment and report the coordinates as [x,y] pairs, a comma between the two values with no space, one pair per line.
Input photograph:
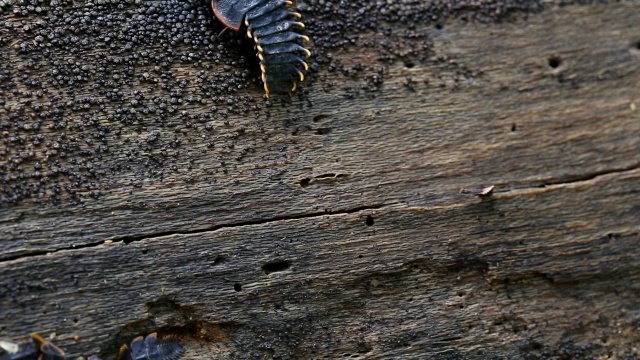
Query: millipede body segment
[275,30]
[150,348]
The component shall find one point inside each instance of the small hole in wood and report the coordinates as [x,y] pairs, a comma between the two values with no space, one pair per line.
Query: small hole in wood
[145,251]
[554,61]
[275,266]
[636,45]
[513,127]
[439,26]
[219,260]
[237,287]
[305,182]
[320,117]
[369,220]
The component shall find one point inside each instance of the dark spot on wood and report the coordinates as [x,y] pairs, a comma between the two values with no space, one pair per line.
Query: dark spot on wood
[363,347]
[613,236]
[163,306]
[219,260]
[323,131]
[237,287]
[463,263]
[319,117]
[275,266]
[301,129]
[305,182]
[555,61]
[513,127]
[369,220]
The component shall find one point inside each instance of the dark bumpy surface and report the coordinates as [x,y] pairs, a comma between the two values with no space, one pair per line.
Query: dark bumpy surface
[79,77]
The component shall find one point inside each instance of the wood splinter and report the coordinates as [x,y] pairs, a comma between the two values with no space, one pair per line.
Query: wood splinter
[485,191]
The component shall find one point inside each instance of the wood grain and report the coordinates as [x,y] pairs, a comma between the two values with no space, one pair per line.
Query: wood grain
[524,271]
[332,226]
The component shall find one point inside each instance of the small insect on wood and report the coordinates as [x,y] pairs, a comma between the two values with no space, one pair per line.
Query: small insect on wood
[150,348]
[275,30]
[35,348]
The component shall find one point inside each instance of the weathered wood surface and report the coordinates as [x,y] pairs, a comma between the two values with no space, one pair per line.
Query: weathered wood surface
[330,226]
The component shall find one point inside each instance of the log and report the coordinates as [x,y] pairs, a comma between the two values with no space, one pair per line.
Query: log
[148,185]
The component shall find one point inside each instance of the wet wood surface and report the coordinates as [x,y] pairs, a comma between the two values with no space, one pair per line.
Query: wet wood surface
[332,225]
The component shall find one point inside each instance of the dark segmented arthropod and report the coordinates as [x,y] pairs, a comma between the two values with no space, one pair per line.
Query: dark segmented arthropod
[150,348]
[274,28]
[33,349]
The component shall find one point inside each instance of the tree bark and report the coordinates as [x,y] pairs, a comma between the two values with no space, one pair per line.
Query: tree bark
[148,186]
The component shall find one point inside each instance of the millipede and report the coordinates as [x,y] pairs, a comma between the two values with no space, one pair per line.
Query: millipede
[140,348]
[35,348]
[275,28]
[151,348]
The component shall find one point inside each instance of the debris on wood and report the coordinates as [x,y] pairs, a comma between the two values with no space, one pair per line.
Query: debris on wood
[484,191]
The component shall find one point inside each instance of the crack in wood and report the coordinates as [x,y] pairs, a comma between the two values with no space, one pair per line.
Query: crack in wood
[568,179]
[547,185]
[131,239]
[550,184]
